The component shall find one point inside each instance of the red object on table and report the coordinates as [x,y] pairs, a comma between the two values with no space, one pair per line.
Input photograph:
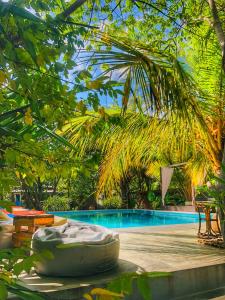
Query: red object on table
[22,211]
[28,212]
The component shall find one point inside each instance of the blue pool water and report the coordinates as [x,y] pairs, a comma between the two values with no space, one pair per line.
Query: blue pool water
[129,218]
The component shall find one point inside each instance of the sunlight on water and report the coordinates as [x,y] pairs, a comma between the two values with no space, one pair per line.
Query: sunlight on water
[130,219]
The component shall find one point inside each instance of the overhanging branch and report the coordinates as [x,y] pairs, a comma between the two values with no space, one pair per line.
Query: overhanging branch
[68,11]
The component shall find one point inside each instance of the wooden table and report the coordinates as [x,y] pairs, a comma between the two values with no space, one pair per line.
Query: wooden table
[26,225]
[207,208]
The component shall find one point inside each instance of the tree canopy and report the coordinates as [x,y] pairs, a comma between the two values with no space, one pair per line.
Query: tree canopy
[161,62]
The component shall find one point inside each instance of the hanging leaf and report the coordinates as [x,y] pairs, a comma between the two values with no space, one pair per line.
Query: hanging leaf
[28,117]
[3,292]
[17,11]
[127,88]
[87,297]
[106,293]
[29,46]
[3,77]
[94,85]
[143,287]
[55,136]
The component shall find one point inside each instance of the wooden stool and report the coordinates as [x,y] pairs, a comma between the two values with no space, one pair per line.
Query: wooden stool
[26,225]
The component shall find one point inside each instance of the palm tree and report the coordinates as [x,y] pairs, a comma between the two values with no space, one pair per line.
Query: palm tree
[139,141]
[177,120]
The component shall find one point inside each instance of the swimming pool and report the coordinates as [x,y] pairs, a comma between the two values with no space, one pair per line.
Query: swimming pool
[130,217]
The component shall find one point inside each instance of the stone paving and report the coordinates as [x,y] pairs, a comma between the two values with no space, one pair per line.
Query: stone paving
[167,248]
[159,248]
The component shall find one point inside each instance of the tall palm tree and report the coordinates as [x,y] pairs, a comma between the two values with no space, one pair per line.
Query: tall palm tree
[140,141]
[160,86]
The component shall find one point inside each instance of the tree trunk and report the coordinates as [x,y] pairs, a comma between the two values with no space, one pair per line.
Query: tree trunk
[55,184]
[33,195]
[68,11]
[188,191]
[68,187]
[217,25]
[125,193]
[39,195]
[27,196]
[221,187]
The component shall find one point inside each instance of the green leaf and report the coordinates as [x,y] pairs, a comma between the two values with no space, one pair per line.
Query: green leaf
[21,12]
[56,136]
[3,291]
[70,245]
[143,287]
[87,297]
[123,283]
[6,204]
[59,67]
[106,293]
[157,274]
[18,268]
[84,74]
[26,294]
[29,46]
[47,254]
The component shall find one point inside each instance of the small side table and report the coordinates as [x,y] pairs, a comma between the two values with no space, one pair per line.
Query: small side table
[207,208]
[26,225]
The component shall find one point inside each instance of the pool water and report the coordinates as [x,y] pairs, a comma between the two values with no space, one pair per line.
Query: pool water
[129,218]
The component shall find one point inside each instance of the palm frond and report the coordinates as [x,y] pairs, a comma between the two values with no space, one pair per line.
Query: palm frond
[159,79]
[142,142]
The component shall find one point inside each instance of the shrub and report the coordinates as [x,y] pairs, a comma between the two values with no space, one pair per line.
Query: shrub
[113,202]
[83,190]
[156,203]
[174,198]
[56,203]
[154,200]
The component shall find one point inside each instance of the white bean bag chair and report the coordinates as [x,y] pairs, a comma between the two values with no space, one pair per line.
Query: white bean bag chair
[79,249]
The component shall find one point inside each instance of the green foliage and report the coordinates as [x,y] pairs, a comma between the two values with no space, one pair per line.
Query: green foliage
[174,197]
[202,192]
[125,147]
[122,286]
[43,75]
[83,188]
[216,194]
[57,203]
[12,263]
[113,202]
[155,201]
[37,96]
[215,191]
[6,204]
[160,81]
